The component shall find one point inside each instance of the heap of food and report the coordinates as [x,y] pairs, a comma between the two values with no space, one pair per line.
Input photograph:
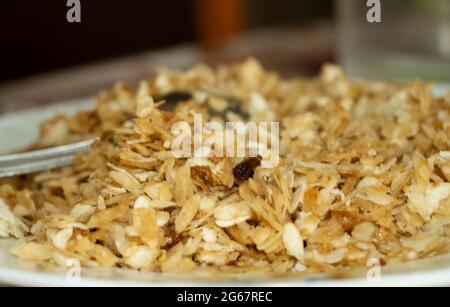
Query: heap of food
[363,175]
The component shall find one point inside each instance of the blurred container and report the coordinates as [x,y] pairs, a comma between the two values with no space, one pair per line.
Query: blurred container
[412,41]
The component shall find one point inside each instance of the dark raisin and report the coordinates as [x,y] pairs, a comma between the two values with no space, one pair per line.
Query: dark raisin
[235,106]
[253,223]
[172,237]
[172,99]
[246,169]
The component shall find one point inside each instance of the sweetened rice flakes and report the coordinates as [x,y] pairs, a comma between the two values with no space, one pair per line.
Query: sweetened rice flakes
[364,174]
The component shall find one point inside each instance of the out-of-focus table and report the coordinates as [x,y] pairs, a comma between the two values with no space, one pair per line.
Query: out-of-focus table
[288,50]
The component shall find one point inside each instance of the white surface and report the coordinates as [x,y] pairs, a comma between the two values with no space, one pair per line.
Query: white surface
[20,129]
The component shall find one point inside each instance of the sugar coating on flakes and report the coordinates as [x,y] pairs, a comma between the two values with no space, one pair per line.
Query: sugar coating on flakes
[364,174]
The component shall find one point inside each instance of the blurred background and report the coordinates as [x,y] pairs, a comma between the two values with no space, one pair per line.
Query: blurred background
[44,58]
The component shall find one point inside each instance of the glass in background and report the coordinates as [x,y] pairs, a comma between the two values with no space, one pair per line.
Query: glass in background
[412,40]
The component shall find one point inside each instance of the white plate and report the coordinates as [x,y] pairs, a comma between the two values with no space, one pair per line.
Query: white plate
[19,129]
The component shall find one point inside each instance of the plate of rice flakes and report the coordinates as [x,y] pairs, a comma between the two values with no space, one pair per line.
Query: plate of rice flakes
[360,194]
